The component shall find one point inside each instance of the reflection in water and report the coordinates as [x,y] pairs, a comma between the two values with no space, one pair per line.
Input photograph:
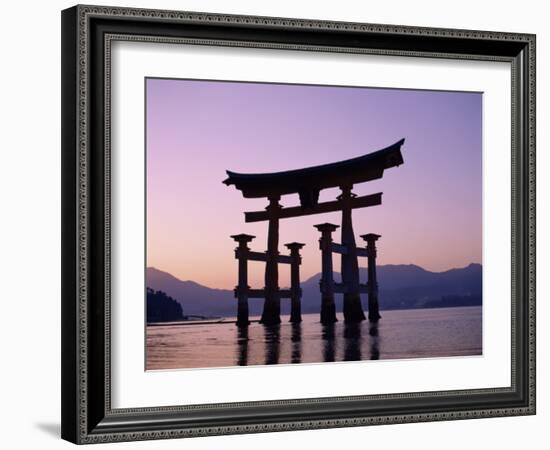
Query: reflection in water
[242,346]
[296,341]
[329,340]
[352,342]
[272,334]
[401,334]
[352,345]
[374,341]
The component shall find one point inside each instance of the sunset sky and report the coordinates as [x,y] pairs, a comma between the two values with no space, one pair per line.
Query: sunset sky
[431,212]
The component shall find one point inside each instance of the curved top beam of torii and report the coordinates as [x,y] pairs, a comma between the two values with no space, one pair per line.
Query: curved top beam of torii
[307,182]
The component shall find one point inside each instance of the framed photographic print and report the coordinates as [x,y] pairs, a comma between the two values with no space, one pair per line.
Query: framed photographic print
[281,224]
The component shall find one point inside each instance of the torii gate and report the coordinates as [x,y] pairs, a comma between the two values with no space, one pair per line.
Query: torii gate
[307,183]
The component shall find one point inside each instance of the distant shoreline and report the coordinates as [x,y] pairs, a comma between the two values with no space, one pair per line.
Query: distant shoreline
[224,321]
[232,320]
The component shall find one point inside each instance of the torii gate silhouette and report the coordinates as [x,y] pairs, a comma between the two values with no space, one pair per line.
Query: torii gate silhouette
[307,183]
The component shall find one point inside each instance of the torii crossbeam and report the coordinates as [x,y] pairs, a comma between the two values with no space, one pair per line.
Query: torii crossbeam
[307,183]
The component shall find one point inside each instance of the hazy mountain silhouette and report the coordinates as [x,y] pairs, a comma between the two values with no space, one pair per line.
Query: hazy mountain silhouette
[194,298]
[401,287]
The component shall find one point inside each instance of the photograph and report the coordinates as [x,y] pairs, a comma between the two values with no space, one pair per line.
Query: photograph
[301,223]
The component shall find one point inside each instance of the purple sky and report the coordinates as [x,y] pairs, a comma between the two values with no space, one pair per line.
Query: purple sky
[431,207]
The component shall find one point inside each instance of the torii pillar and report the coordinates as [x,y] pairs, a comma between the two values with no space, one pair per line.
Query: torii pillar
[372,284]
[271,314]
[241,291]
[353,310]
[295,289]
[328,307]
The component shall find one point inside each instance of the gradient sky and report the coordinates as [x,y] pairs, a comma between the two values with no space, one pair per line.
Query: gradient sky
[431,205]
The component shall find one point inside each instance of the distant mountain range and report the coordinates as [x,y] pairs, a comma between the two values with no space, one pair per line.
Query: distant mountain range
[400,287]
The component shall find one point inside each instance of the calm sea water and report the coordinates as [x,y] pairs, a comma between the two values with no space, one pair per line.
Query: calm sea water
[419,333]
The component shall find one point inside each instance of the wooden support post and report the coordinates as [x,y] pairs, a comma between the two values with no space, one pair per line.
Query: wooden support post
[295,290]
[328,308]
[372,285]
[272,305]
[353,310]
[241,291]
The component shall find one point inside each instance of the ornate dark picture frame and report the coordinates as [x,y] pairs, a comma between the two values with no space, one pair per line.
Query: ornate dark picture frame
[87,33]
